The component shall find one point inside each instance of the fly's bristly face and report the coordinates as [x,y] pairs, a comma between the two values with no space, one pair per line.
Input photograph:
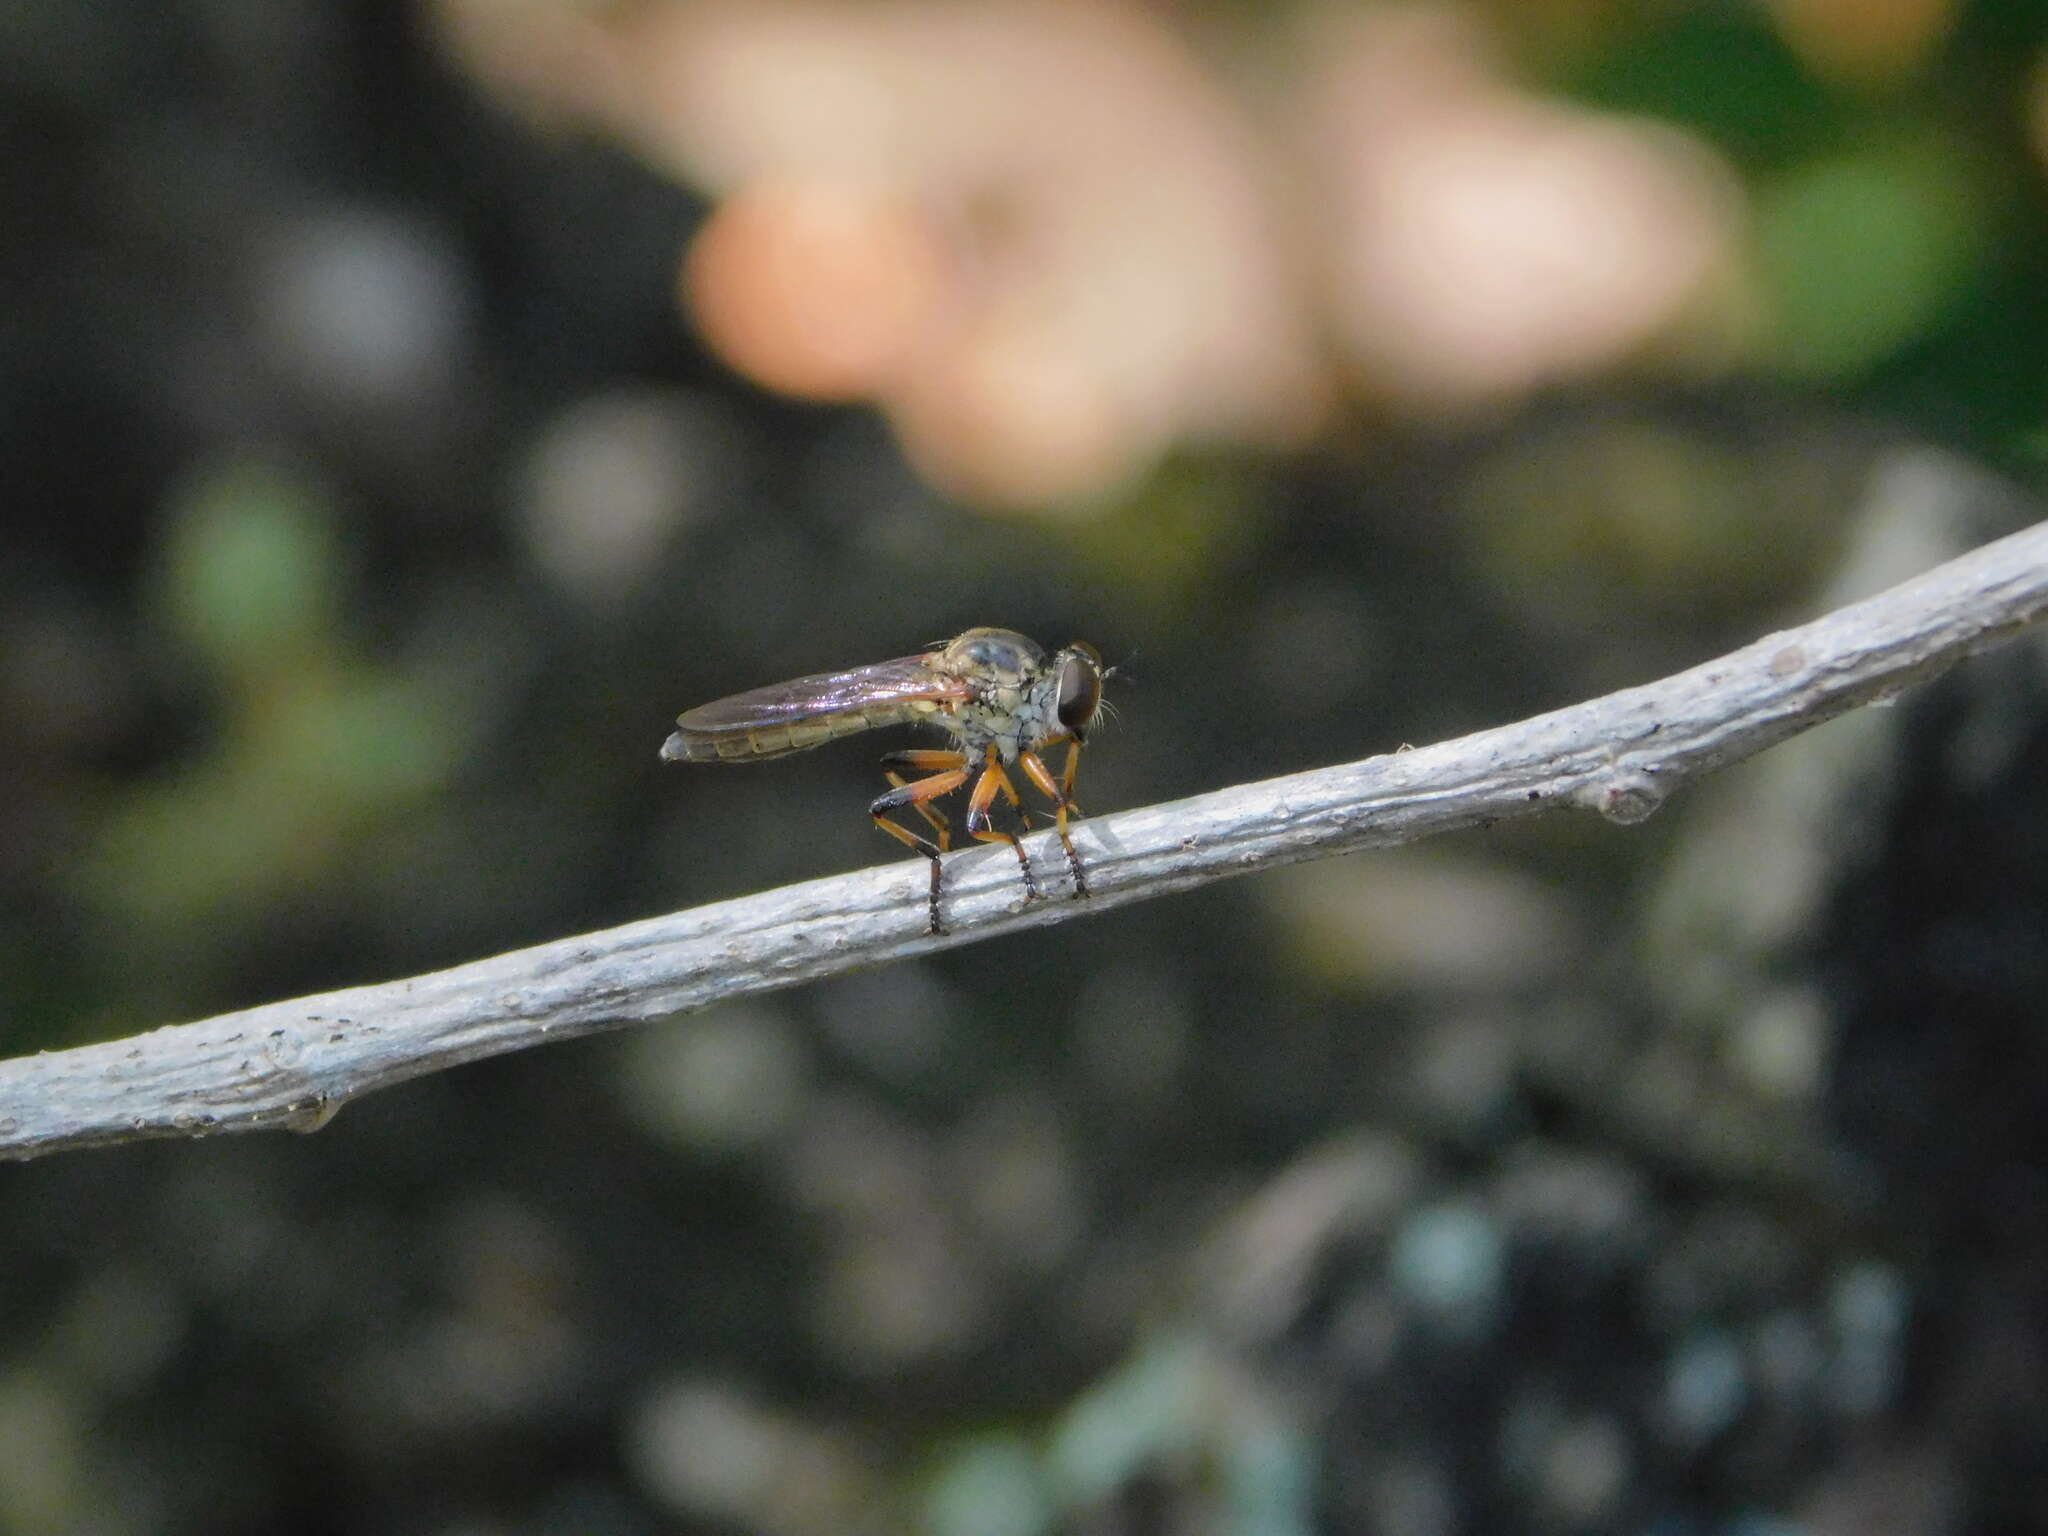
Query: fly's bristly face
[993,691]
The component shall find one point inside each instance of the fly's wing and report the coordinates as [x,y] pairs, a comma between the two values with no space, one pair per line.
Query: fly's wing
[788,717]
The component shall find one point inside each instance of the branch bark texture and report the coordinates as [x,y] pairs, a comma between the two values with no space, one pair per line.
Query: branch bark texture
[293,1064]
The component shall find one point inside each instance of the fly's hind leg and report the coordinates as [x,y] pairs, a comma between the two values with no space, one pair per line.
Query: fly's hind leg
[992,781]
[927,762]
[1061,792]
[918,795]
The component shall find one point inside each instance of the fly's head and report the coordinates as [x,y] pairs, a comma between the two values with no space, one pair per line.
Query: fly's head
[1064,699]
[1076,684]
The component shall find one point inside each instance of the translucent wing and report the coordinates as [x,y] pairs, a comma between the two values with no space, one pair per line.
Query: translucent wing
[810,711]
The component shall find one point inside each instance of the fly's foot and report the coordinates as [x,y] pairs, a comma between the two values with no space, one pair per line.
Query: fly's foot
[936,928]
[1074,864]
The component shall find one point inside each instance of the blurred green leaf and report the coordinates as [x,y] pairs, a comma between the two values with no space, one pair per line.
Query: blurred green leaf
[373,741]
[1270,1479]
[250,572]
[1149,1407]
[990,1486]
[287,795]
[1176,535]
[1723,73]
[1863,251]
[1634,517]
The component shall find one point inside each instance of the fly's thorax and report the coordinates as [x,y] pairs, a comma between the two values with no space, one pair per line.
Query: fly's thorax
[992,658]
[1014,692]
[1010,719]
[1021,698]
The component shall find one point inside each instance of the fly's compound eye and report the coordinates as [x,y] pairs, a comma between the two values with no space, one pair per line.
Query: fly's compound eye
[1080,695]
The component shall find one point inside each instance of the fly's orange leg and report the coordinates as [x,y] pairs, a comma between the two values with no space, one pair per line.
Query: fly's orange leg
[1060,792]
[919,794]
[926,762]
[923,761]
[993,780]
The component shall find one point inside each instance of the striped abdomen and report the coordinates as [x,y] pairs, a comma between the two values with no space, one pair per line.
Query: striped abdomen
[725,743]
[788,717]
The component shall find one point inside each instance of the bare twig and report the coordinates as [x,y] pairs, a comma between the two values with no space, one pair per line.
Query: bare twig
[294,1063]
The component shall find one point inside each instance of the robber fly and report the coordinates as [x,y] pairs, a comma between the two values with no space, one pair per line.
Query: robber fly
[993,691]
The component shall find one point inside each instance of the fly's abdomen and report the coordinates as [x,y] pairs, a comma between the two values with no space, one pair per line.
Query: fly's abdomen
[741,742]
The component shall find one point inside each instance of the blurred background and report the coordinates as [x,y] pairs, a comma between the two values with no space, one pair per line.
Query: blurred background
[407,408]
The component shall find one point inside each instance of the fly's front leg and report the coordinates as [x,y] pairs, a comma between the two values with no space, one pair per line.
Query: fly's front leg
[1061,792]
[992,780]
[918,794]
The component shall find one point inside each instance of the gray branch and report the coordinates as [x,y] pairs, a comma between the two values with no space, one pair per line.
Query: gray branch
[293,1064]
